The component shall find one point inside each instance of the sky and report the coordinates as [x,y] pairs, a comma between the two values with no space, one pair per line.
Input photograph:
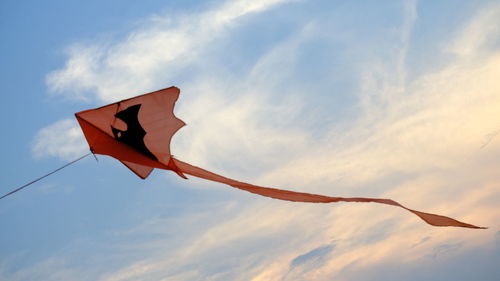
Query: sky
[388,99]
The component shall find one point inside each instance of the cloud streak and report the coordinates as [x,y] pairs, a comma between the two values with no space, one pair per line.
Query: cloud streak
[150,56]
[63,139]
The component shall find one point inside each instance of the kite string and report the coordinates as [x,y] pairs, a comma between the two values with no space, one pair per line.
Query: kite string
[46,175]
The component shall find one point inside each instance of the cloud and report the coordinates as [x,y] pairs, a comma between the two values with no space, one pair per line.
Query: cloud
[63,139]
[478,34]
[151,56]
[311,260]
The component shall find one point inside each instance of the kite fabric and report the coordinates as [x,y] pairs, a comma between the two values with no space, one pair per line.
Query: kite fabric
[138,132]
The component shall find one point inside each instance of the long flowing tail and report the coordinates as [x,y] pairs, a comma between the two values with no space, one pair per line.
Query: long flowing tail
[432,219]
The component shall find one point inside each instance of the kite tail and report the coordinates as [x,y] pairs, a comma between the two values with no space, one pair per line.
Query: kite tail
[287,195]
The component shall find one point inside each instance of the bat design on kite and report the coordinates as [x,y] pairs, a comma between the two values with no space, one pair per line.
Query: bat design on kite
[138,131]
[134,135]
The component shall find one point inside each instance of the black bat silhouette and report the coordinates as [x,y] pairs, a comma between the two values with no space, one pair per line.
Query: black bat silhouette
[134,135]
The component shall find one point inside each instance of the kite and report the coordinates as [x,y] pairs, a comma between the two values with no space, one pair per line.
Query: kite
[138,132]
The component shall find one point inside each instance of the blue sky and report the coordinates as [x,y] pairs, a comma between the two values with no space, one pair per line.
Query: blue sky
[396,99]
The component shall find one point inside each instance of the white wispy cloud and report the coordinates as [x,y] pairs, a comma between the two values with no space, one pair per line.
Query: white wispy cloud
[150,56]
[479,34]
[63,139]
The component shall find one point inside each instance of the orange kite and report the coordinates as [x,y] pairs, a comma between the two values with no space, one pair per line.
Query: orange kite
[138,131]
